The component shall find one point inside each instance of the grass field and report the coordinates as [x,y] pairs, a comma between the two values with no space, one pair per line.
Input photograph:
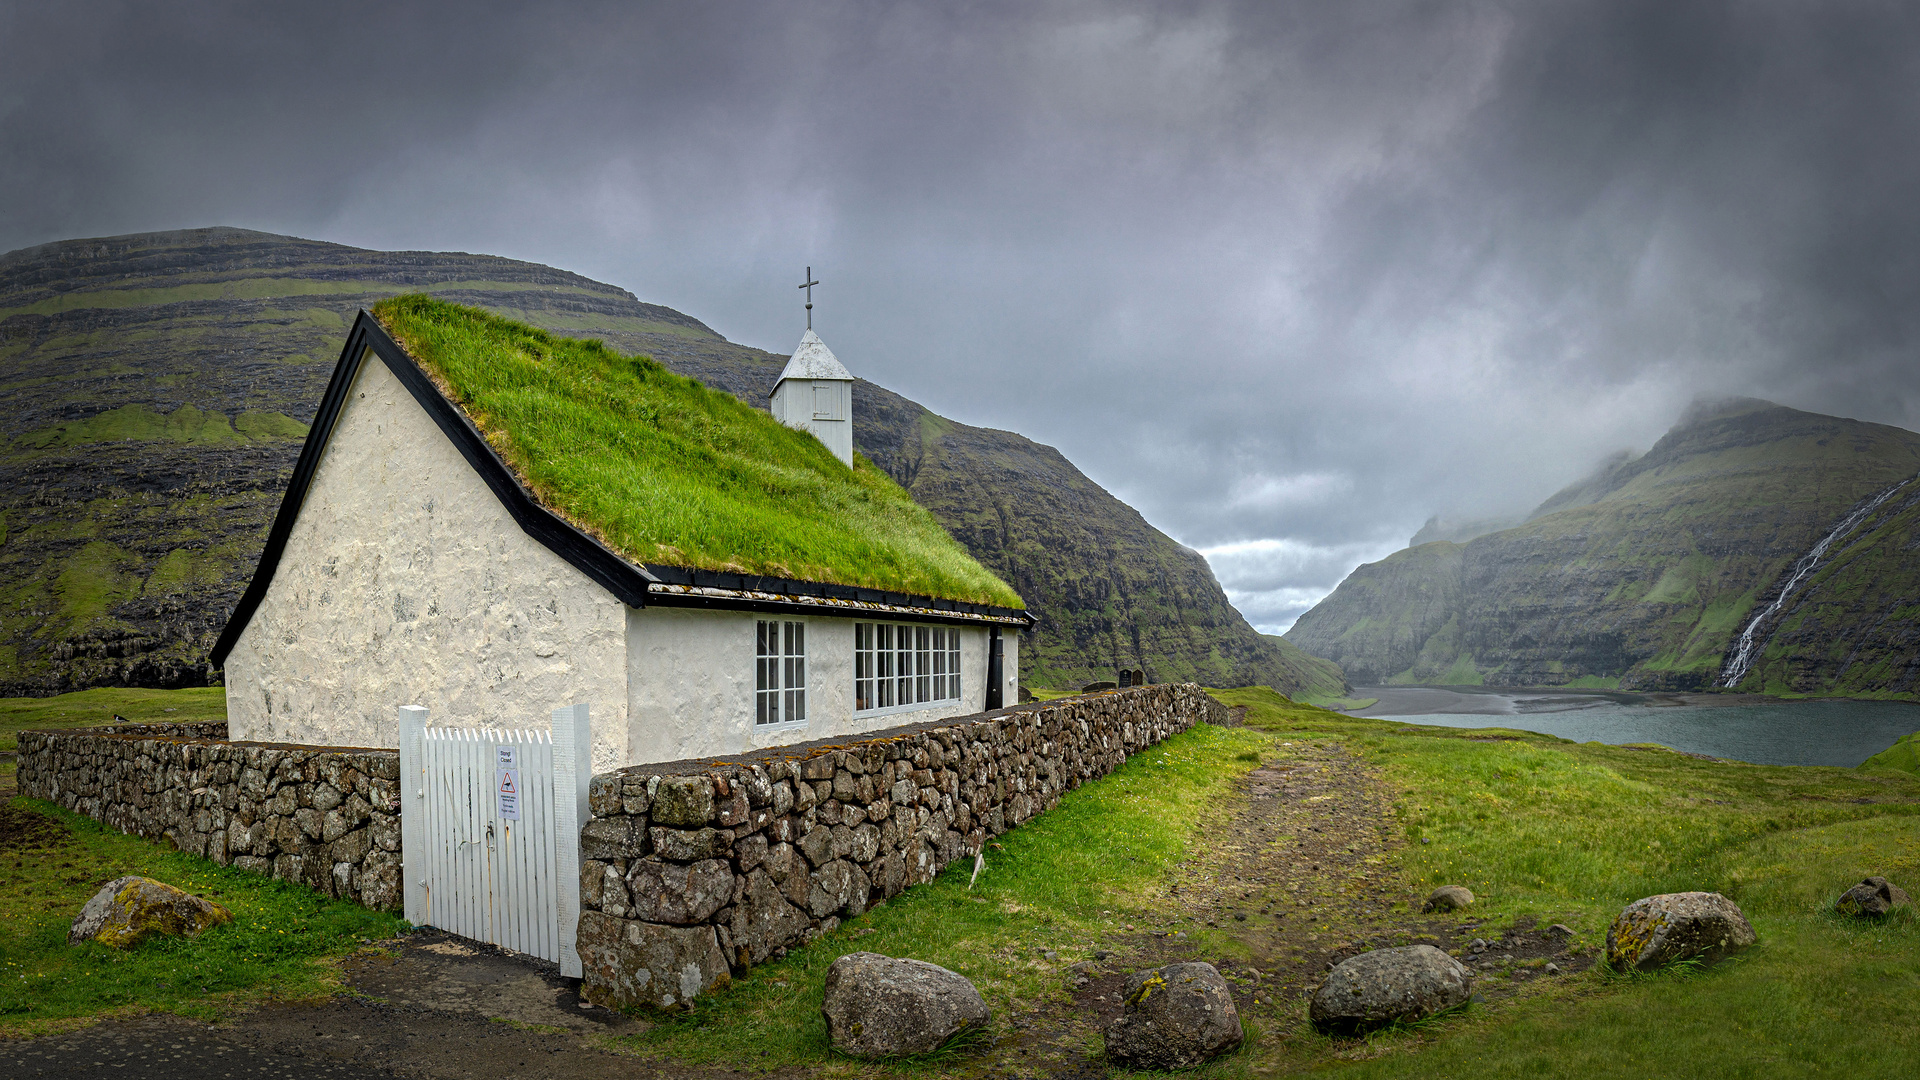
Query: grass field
[89,708]
[1537,827]
[1540,827]
[277,945]
[670,472]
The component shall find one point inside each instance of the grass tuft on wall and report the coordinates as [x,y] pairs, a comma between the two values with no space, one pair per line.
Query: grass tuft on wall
[666,471]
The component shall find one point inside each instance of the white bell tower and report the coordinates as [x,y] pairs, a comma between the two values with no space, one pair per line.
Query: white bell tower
[815,392]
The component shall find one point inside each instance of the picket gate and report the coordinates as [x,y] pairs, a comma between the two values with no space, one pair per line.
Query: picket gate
[490,831]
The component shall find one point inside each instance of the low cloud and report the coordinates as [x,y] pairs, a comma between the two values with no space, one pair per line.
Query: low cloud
[1273,581]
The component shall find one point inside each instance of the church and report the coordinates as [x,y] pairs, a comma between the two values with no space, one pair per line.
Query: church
[492,521]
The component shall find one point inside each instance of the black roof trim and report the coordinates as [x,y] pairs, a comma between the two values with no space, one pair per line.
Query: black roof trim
[788,595]
[623,579]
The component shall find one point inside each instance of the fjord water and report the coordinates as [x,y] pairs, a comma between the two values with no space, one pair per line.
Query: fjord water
[1743,729]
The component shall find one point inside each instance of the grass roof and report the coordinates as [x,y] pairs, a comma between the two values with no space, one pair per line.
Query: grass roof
[665,471]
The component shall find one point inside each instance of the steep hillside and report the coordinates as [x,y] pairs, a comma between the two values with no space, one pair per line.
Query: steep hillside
[1638,576]
[159,386]
[1852,626]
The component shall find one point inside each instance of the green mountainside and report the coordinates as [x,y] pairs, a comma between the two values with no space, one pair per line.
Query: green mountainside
[1643,574]
[1852,626]
[159,386]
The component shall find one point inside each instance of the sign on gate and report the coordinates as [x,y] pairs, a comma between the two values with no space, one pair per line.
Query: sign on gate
[506,767]
[490,831]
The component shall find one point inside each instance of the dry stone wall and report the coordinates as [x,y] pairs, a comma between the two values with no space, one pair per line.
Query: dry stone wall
[328,817]
[687,878]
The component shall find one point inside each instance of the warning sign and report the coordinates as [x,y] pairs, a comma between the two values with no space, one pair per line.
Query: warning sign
[506,761]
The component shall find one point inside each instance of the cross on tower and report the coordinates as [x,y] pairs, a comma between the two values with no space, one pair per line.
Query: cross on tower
[810,283]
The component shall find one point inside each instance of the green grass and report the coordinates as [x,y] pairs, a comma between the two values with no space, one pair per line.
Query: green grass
[186,424]
[1540,827]
[1903,755]
[1340,704]
[1041,693]
[277,945]
[91,708]
[1089,866]
[667,471]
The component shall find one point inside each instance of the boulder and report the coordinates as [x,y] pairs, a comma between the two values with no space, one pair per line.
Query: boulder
[638,963]
[131,909]
[1449,898]
[1873,897]
[1381,987]
[880,1007]
[1175,1018]
[1659,930]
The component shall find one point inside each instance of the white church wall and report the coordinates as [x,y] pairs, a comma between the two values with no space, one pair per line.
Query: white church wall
[691,685]
[406,582]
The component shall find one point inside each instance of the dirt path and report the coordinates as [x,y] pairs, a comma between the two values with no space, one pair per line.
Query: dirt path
[431,1006]
[1298,874]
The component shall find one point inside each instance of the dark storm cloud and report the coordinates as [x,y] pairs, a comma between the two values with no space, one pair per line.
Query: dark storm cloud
[1289,278]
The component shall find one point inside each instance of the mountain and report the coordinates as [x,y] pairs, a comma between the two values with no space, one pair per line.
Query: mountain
[1458,530]
[1643,574]
[159,386]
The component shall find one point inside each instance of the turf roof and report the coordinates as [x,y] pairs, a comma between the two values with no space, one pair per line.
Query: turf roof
[667,472]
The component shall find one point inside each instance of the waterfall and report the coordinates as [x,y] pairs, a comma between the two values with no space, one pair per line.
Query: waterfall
[1746,650]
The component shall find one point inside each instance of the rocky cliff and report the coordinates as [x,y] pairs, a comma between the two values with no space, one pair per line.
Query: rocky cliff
[159,388]
[1642,575]
[1852,625]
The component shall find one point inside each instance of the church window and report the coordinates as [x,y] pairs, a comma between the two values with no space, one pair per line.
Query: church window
[895,666]
[780,672]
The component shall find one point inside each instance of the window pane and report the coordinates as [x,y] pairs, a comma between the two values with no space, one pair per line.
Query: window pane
[923,663]
[903,664]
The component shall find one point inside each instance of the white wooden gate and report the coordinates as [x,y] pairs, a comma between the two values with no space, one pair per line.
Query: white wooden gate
[490,831]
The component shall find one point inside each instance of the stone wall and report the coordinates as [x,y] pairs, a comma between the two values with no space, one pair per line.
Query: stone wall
[688,876]
[325,816]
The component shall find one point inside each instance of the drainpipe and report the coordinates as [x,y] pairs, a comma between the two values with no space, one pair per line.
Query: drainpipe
[996,669]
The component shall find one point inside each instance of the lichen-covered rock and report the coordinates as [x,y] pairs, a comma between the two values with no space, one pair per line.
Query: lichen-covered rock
[1658,930]
[1175,1018]
[682,895]
[1385,986]
[685,801]
[637,963]
[1449,898]
[1872,898]
[763,921]
[879,1006]
[130,910]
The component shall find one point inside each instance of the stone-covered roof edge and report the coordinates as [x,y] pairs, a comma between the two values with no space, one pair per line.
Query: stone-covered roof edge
[634,585]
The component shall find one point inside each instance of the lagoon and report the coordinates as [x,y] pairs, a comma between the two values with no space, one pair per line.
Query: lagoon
[1739,727]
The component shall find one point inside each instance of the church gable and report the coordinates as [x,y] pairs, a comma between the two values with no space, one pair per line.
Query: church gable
[654,487]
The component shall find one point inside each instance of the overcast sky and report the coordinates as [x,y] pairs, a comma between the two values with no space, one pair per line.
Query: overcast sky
[1289,278]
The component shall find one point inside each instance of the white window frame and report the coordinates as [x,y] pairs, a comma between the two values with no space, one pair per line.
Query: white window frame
[779,673]
[904,667]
